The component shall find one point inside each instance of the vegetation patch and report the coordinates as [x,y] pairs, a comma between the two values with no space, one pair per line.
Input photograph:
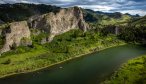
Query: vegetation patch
[132,72]
[66,46]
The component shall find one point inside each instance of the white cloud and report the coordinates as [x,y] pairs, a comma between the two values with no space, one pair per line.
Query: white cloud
[66,0]
[2,2]
[97,7]
[133,12]
[130,6]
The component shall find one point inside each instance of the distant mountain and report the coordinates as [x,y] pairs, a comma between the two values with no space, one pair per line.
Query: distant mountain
[22,11]
[108,18]
[117,14]
[112,15]
[139,21]
[90,15]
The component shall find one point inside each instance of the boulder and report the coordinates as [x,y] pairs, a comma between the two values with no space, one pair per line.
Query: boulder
[13,35]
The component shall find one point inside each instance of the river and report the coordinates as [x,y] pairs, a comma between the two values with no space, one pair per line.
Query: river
[89,69]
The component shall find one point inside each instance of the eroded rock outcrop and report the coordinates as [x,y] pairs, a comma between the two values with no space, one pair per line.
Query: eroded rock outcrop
[63,21]
[52,24]
[14,34]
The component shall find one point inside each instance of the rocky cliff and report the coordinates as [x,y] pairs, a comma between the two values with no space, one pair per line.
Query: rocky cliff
[18,33]
[63,21]
[14,34]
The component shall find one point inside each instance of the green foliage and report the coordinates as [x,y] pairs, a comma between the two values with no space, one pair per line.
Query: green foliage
[133,34]
[4,26]
[5,62]
[115,21]
[14,46]
[22,11]
[66,46]
[38,37]
[133,72]
[102,18]
[90,16]
[2,41]
[2,38]
[139,21]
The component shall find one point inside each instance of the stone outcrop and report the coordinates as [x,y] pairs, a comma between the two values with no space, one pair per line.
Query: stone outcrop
[63,21]
[13,35]
[52,24]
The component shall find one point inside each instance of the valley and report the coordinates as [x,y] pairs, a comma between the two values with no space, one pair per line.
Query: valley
[37,38]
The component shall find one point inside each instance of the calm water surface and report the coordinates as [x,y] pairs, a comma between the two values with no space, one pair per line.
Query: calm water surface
[90,69]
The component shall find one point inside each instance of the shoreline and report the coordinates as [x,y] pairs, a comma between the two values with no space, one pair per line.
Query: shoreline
[69,59]
[125,66]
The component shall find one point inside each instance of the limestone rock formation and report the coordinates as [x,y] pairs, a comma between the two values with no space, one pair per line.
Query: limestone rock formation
[13,35]
[63,21]
[51,24]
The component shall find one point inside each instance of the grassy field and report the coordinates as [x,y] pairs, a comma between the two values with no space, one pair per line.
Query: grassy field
[64,47]
[132,72]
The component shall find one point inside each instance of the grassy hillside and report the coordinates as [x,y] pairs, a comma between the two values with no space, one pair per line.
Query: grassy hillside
[139,21]
[132,72]
[133,34]
[21,11]
[102,18]
[66,46]
[123,20]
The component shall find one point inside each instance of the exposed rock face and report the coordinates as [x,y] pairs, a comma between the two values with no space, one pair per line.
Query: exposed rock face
[18,33]
[14,34]
[63,21]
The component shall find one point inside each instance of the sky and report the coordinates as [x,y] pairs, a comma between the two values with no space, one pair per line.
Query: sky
[124,6]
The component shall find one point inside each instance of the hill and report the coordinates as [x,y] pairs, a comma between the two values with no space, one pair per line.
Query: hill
[103,18]
[139,21]
[21,11]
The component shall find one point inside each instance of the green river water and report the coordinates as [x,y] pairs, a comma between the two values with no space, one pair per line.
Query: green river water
[89,69]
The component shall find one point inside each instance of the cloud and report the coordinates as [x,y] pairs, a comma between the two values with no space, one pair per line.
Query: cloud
[97,7]
[140,12]
[124,6]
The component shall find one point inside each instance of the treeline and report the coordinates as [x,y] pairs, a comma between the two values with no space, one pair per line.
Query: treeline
[105,30]
[22,11]
[65,46]
[128,33]
[133,34]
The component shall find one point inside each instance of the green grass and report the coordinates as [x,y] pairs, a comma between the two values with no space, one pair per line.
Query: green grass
[132,72]
[139,21]
[115,21]
[66,46]
[3,26]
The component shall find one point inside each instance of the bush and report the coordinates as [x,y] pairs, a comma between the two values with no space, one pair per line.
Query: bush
[8,61]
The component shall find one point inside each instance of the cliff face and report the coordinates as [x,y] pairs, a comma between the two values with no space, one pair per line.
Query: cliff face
[63,21]
[52,24]
[14,34]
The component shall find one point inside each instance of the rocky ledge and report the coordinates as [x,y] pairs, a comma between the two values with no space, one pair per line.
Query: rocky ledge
[54,24]
[63,21]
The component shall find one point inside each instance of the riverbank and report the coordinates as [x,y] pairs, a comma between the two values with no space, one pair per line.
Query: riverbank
[132,72]
[39,68]
[64,47]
